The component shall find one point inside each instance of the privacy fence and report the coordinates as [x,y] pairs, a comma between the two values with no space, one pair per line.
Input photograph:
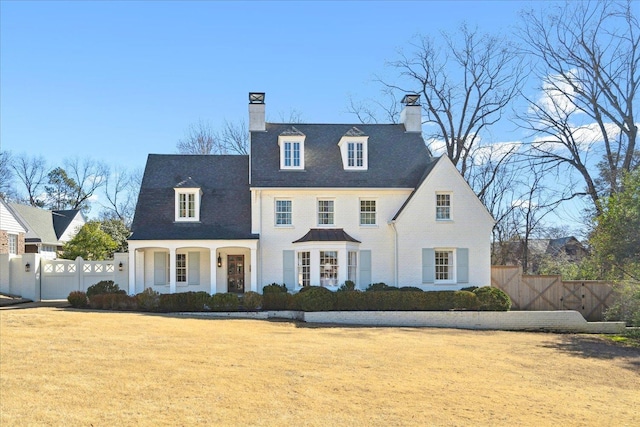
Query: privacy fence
[542,293]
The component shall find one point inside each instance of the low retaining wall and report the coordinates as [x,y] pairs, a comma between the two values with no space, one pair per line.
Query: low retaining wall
[555,321]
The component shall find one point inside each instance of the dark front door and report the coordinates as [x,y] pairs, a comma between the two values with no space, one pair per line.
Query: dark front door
[235,273]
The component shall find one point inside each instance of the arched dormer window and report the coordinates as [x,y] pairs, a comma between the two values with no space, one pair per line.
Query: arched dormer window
[291,143]
[187,201]
[354,150]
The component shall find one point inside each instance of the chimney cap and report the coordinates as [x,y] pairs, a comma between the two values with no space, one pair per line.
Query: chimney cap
[256,97]
[411,99]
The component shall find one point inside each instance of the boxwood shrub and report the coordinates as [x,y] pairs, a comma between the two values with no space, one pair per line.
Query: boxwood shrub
[184,301]
[224,302]
[78,299]
[251,301]
[492,299]
[116,301]
[313,298]
[104,287]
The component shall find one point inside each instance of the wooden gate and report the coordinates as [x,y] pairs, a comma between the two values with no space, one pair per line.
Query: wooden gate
[539,293]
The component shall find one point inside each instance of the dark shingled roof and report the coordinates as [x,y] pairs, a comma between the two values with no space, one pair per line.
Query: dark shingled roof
[187,183]
[326,235]
[397,159]
[62,219]
[225,211]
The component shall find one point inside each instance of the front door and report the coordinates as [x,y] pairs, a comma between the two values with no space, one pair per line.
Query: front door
[235,273]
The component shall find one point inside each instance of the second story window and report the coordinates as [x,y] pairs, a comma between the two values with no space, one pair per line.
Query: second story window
[187,201]
[325,212]
[283,212]
[354,154]
[367,212]
[186,205]
[353,149]
[292,154]
[443,207]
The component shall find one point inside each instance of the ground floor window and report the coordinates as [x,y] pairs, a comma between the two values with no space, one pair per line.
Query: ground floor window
[444,265]
[304,268]
[353,266]
[13,244]
[328,268]
[181,267]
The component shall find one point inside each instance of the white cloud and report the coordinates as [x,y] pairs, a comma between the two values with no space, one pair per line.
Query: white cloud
[585,136]
[494,152]
[557,95]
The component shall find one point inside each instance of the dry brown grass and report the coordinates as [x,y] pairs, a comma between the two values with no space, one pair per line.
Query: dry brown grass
[66,367]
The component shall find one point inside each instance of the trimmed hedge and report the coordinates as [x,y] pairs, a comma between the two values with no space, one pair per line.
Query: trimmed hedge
[310,298]
[104,287]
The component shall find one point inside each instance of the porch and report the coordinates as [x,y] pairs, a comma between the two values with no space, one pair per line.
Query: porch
[212,266]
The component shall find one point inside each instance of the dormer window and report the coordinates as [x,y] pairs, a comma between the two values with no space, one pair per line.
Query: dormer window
[187,201]
[291,144]
[354,150]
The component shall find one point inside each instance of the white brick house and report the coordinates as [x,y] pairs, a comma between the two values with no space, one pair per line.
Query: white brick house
[313,204]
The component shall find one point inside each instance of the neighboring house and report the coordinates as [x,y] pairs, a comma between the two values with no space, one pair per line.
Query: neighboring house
[48,231]
[12,231]
[313,204]
[565,249]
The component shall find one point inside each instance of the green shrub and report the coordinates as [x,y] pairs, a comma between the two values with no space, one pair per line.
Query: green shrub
[184,301]
[277,301]
[377,287]
[148,300]
[410,289]
[224,302]
[113,301]
[626,305]
[492,299]
[104,287]
[314,298]
[347,286]
[469,288]
[251,301]
[350,301]
[464,300]
[274,288]
[78,299]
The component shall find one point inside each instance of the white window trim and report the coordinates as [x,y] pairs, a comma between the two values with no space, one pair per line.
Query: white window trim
[325,199]
[367,199]
[293,139]
[14,237]
[195,191]
[452,267]
[444,193]
[275,213]
[344,145]
[186,269]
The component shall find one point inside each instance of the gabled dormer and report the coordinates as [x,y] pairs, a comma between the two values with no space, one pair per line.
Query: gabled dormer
[187,201]
[291,142]
[354,150]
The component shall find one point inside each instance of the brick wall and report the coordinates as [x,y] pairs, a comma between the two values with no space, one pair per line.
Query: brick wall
[4,242]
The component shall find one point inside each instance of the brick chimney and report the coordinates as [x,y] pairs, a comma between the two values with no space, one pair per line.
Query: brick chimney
[256,112]
[411,115]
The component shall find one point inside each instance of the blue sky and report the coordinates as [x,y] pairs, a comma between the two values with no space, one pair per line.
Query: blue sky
[118,80]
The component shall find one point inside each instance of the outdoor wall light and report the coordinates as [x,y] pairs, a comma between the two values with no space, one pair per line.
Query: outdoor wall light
[120,266]
[219,261]
[27,267]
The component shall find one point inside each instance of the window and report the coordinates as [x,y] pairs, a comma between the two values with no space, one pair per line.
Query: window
[355,156]
[291,144]
[443,206]
[325,212]
[13,244]
[353,266]
[353,149]
[283,212]
[444,265]
[304,268]
[328,268]
[367,212]
[187,204]
[181,267]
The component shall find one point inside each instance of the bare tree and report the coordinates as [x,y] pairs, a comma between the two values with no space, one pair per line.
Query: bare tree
[6,174]
[89,175]
[234,138]
[200,139]
[120,194]
[587,56]
[371,110]
[32,173]
[465,82]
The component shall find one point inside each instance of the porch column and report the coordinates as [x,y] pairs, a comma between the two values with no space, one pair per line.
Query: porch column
[132,271]
[172,270]
[253,267]
[213,256]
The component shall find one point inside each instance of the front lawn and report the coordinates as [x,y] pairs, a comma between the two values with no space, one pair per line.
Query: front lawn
[80,367]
